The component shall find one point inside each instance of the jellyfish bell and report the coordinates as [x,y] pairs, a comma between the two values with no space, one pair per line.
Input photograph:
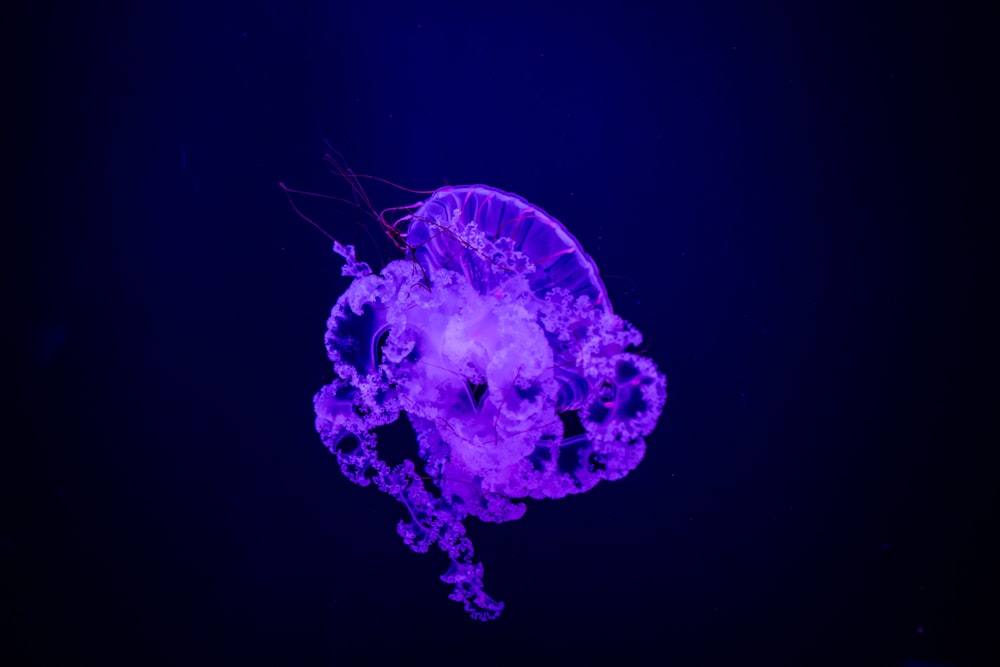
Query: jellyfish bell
[440,234]
[491,332]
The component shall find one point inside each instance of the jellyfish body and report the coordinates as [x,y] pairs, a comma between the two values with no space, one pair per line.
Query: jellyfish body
[489,336]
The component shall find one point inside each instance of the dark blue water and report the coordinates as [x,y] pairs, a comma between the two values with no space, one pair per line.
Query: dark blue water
[776,196]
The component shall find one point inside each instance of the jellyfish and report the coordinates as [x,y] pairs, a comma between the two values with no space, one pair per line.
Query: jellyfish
[495,336]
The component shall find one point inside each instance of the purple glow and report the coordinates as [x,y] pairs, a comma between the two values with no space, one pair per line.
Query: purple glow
[493,331]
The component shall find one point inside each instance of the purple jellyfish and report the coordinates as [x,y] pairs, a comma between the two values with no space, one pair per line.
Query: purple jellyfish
[491,333]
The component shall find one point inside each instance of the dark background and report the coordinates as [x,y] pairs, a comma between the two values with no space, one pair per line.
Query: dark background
[778,197]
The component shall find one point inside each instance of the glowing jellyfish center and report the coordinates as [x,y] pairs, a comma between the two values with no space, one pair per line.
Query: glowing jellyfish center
[492,332]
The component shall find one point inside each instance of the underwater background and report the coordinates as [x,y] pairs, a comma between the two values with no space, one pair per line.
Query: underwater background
[777,195]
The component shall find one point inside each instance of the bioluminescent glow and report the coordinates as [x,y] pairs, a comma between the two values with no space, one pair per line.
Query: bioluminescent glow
[496,338]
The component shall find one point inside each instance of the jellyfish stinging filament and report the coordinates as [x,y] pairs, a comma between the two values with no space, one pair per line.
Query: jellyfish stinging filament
[495,337]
